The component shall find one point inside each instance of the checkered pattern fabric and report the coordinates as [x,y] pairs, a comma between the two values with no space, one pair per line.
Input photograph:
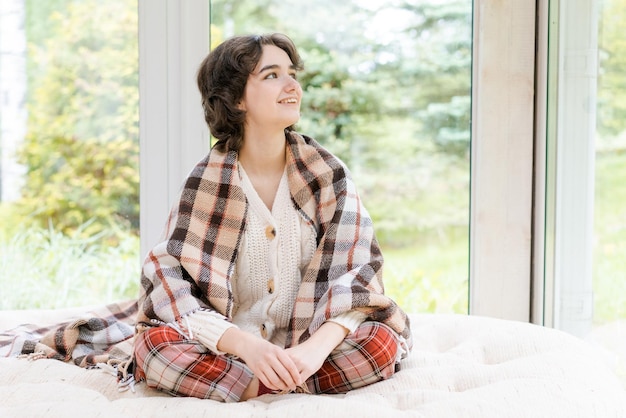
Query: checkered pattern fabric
[181,367]
[366,356]
[192,266]
[99,336]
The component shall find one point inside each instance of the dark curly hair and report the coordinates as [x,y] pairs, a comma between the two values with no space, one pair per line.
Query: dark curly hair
[222,78]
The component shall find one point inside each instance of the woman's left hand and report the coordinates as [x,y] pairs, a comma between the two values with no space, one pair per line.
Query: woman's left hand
[307,358]
[310,355]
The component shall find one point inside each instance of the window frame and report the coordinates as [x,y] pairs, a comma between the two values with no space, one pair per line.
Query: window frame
[501,218]
[570,114]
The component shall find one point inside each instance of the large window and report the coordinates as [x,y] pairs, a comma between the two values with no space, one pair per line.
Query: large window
[387,89]
[69,209]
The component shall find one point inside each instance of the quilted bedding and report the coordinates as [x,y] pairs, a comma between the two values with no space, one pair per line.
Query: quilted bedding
[461,366]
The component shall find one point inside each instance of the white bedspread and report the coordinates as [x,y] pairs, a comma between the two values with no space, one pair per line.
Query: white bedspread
[461,366]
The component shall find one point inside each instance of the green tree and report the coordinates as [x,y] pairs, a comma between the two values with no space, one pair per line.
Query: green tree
[433,68]
[393,61]
[81,148]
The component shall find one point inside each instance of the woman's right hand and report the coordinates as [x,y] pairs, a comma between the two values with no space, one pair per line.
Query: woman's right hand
[269,363]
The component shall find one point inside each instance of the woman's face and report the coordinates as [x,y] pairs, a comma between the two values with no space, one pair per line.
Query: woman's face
[272,95]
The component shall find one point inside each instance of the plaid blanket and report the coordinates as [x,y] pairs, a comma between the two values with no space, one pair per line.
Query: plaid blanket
[192,266]
[100,336]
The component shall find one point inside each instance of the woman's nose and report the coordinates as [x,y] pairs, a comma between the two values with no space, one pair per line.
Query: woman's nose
[292,84]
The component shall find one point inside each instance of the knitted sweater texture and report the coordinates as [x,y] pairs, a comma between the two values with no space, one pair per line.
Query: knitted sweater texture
[275,250]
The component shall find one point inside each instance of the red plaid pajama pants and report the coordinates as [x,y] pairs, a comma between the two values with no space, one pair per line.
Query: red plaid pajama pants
[174,364]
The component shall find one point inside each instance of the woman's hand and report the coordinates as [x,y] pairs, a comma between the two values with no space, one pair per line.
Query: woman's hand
[307,358]
[310,355]
[269,363]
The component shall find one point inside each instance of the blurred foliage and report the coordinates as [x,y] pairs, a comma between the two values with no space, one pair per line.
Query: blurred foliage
[57,270]
[427,276]
[609,247]
[81,148]
[434,70]
[612,83]
[72,181]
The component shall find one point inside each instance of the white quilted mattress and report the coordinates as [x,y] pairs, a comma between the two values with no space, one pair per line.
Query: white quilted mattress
[461,366]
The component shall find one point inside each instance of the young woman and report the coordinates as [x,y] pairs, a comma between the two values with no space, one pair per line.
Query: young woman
[269,276]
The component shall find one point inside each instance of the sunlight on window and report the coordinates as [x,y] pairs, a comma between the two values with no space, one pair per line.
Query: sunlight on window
[609,265]
[71,224]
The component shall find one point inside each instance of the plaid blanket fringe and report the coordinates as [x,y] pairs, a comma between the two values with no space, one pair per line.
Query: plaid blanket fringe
[101,336]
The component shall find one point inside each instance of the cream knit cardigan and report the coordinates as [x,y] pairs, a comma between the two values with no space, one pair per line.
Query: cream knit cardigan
[192,267]
[276,248]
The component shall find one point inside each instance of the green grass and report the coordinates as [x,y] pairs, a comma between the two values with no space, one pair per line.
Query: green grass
[43,268]
[430,276]
[609,272]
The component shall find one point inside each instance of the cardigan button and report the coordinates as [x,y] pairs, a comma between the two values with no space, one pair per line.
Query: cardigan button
[263,332]
[270,285]
[270,232]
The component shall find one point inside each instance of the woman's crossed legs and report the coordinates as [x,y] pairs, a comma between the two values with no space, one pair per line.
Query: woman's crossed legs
[174,364]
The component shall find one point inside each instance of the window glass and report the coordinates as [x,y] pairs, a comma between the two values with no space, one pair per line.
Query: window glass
[387,89]
[609,265]
[69,210]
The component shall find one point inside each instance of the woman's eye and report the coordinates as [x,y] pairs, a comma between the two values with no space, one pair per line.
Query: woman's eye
[275,75]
